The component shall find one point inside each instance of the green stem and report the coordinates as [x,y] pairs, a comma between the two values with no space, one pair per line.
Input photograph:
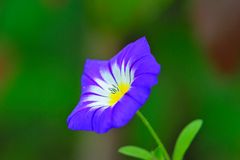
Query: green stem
[154,135]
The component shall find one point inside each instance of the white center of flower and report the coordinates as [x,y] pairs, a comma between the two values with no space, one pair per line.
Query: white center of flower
[112,87]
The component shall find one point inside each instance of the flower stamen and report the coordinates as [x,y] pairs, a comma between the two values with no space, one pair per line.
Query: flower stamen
[117,93]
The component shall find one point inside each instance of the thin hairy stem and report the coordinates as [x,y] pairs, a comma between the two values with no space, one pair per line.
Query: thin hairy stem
[154,135]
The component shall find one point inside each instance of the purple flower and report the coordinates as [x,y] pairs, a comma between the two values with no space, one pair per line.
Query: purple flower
[114,90]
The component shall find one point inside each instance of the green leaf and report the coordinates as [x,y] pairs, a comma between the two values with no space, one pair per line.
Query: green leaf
[157,154]
[135,152]
[185,138]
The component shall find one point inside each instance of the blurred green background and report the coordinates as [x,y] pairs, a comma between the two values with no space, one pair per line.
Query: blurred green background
[43,46]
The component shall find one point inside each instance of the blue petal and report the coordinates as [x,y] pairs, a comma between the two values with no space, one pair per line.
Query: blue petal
[91,71]
[126,108]
[102,120]
[81,119]
[134,51]
[145,80]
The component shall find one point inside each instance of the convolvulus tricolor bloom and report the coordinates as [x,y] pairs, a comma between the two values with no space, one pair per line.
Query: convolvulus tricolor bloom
[114,90]
[112,93]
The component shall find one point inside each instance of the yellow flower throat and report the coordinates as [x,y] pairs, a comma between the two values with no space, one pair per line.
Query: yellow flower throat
[117,92]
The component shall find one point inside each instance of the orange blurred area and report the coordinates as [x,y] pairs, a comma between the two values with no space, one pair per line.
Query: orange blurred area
[7,66]
[219,29]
